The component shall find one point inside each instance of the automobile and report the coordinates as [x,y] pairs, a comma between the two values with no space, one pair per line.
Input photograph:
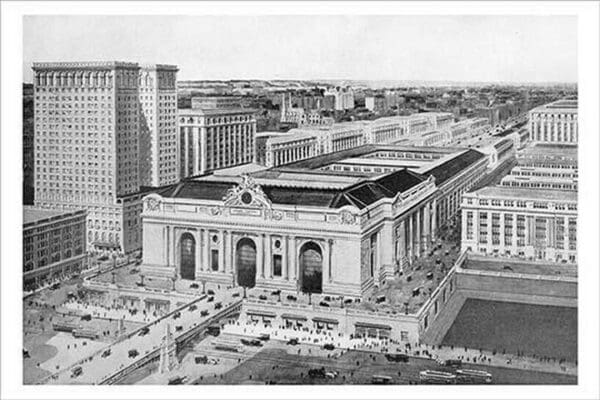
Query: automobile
[262,297]
[328,346]
[177,380]
[397,357]
[347,301]
[451,363]
[331,374]
[291,297]
[218,306]
[380,299]
[144,331]
[236,294]
[324,304]
[106,353]
[210,292]
[251,342]
[293,342]
[77,371]
[139,284]
[327,298]
[317,372]
[211,298]
[177,315]
[204,313]
[86,317]
[178,328]
[103,258]
[201,359]
[133,353]
[194,286]
[276,292]
[193,307]
[264,336]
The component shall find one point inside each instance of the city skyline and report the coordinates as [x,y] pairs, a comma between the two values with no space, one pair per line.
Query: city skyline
[219,47]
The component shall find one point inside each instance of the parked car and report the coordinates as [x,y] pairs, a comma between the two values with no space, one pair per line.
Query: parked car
[218,306]
[201,359]
[204,313]
[291,297]
[106,353]
[293,342]
[211,298]
[331,374]
[236,294]
[317,372]
[178,328]
[144,331]
[177,315]
[397,357]
[194,286]
[251,342]
[262,297]
[451,363]
[193,307]
[133,353]
[324,304]
[77,371]
[210,292]
[264,336]
[276,292]
[177,380]
[328,346]
[86,317]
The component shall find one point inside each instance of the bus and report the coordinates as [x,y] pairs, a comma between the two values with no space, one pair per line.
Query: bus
[473,376]
[64,326]
[438,377]
[85,333]
[228,346]
[381,380]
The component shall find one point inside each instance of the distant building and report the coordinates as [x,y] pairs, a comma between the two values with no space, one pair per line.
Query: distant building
[216,102]
[554,123]
[522,223]
[261,145]
[375,103]
[214,139]
[54,245]
[343,98]
[294,146]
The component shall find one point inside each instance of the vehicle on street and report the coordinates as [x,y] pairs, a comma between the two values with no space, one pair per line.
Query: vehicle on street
[317,372]
[210,299]
[397,357]
[262,297]
[178,328]
[264,336]
[331,374]
[194,286]
[204,313]
[177,380]
[193,307]
[177,315]
[324,304]
[328,346]
[106,353]
[133,353]
[77,371]
[236,294]
[251,342]
[210,292]
[201,360]
[437,377]
[451,363]
[291,297]
[144,331]
[218,306]
[381,380]
[473,376]
[86,317]
[293,342]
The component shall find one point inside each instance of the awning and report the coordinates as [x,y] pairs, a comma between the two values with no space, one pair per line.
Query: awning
[261,313]
[129,297]
[373,326]
[157,301]
[293,316]
[326,320]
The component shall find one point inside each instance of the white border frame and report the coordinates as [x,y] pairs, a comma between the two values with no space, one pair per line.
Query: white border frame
[11,256]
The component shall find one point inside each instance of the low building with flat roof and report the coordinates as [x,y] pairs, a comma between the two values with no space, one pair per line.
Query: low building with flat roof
[54,245]
[521,223]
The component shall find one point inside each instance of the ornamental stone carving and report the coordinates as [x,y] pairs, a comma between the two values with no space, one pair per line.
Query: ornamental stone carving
[347,218]
[153,204]
[216,211]
[247,194]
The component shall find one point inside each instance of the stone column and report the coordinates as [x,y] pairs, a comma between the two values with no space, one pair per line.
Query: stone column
[166,245]
[260,254]
[434,220]
[203,146]
[231,252]
[205,250]
[427,226]
[410,239]
[501,222]
[184,157]
[284,255]
[566,235]
[198,252]
[268,264]
[292,253]
[222,252]
[418,233]
[196,152]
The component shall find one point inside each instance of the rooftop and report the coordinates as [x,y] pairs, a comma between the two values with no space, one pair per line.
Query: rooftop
[526,193]
[564,106]
[84,64]
[448,169]
[214,111]
[32,214]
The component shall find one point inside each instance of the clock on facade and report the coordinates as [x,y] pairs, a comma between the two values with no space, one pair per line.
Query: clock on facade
[246,198]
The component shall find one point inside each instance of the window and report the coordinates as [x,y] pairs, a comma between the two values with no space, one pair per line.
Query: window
[277,265]
[214,260]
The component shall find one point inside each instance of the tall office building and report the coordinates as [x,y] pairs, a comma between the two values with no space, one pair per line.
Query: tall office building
[158,125]
[554,123]
[87,144]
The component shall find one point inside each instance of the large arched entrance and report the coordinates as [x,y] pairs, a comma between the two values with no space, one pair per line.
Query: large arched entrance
[187,256]
[311,268]
[246,262]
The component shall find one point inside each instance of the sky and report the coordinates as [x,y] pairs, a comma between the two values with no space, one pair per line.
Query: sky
[358,47]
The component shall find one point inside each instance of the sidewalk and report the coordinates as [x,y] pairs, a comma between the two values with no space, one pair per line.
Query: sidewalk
[386,346]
